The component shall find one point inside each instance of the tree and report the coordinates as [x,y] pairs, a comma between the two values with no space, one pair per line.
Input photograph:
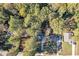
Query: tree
[15,41]
[30,47]
[55,25]
[22,11]
[27,20]
[37,9]
[62,9]
[2,17]
[44,13]
[71,7]
[14,23]
[70,23]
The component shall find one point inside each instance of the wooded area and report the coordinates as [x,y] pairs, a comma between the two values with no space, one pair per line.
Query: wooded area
[21,24]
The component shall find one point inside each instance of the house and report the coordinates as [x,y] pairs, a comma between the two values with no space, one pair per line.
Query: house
[67,38]
[52,38]
[57,39]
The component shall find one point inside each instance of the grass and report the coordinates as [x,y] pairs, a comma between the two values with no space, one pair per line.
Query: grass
[66,49]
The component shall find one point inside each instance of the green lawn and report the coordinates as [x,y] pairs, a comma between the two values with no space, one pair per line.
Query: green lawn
[66,49]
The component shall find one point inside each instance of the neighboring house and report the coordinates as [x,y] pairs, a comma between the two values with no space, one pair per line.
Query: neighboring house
[67,38]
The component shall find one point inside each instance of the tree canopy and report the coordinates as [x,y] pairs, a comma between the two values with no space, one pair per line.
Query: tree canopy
[30,17]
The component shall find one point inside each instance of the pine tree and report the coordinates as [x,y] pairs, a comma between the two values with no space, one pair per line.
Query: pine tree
[14,23]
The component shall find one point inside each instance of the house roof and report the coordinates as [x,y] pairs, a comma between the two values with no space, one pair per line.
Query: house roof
[55,38]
